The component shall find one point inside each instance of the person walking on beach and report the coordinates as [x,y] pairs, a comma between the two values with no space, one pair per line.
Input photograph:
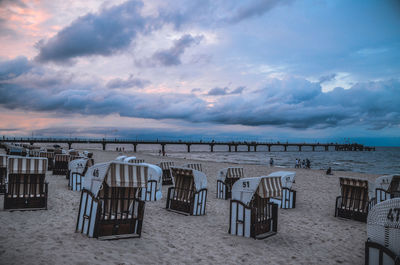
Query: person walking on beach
[329,171]
[308,163]
[271,162]
[297,163]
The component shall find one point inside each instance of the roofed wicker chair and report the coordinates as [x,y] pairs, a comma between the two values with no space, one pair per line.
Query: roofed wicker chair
[227,177]
[189,195]
[166,177]
[61,164]
[287,198]
[26,186]
[3,173]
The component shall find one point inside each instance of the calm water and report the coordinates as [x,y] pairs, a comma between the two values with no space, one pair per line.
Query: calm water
[385,160]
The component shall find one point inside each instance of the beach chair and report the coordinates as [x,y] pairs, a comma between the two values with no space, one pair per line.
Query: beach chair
[26,186]
[227,177]
[120,158]
[77,169]
[50,159]
[287,198]
[189,195]
[195,166]
[167,177]
[387,187]
[251,212]
[383,230]
[3,173]
[353,202]
[61,164]
[110,206]
[153,190]
[134,160]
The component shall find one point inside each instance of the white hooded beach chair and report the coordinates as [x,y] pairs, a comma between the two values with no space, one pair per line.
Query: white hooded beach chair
[287,200]
[26,186]
[227,177]
[167,177]
[353,202]
[77,169]
[195,166]
[3,173]
[251,212]
[153,190]
[110,206]
[189,195]
[387,187]
[383,231]
[61,164]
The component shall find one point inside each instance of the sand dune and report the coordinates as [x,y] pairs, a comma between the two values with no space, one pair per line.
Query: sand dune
[308,234]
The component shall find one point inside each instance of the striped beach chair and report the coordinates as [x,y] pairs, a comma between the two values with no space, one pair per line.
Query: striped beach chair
[26,186]
[167,177]
[387,187]
[77,169]
[252,214]
[3,173]
[110,206]
[61,164]
[287,198]
[50,159]
[195,166]
[227,177]
[353,202]
[189,195]
[133,160]
[383,230]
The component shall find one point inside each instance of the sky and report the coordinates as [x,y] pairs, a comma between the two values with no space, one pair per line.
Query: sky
[266,70]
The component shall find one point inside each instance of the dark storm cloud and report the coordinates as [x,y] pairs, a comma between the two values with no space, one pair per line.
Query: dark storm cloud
[289,103]
[103,33]
[14,68]
[218,91]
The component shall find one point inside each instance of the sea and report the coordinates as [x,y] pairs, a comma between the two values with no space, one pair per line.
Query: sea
[385,160]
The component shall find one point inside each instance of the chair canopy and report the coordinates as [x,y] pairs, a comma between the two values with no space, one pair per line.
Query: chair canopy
[195,166]
[27,165]
[394,187]
[130,159]
[383,224]
[46,154]
[266,187]
[120,158]
[117,174]
[231,172]
[166,164]
[3,161]
[351,182]
[383,182]
[79,165]
[181,173]
[287,178]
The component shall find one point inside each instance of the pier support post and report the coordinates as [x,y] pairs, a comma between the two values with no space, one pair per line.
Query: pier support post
[236,148]
[230,149]
[212,147]
[134,147]
[69,145]
[104,146]
[313,148]
[326,148]
[188,148]
[255,148]
[269,148]
[163,148]
[299,148]
[285,146]
[248,148]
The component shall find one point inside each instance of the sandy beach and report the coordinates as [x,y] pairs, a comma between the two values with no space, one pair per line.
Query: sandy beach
[308,234]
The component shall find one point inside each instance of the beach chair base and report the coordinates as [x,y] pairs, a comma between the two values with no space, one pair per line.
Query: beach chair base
[27,201]
[178,212]
[116,237]
[265,235]
[350,213]
[376,254]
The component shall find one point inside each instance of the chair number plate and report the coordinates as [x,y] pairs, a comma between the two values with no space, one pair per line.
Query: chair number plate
[394,214]
[246,184]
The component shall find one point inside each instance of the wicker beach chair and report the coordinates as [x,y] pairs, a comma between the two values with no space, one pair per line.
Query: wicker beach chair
[251,212]
[77,169]
[383,230]
[189,195]
[110,206]
[26,186]
[287,198]
[50,159]
[61,164]
[167,177]
[353,202]
[227,177]
[134,160]
[3,173]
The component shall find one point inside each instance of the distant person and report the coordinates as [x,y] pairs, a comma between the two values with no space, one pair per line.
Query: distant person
[271,162]
[308,163]
[303,164]
[159,152]
[297,163]
[123,149]
[329,171]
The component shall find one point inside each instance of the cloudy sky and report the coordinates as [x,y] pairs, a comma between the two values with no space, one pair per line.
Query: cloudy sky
[257,69]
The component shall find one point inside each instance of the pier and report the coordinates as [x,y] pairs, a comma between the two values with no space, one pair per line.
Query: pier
[232,145]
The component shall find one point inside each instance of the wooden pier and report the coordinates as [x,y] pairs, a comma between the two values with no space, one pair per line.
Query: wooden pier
[232,146]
